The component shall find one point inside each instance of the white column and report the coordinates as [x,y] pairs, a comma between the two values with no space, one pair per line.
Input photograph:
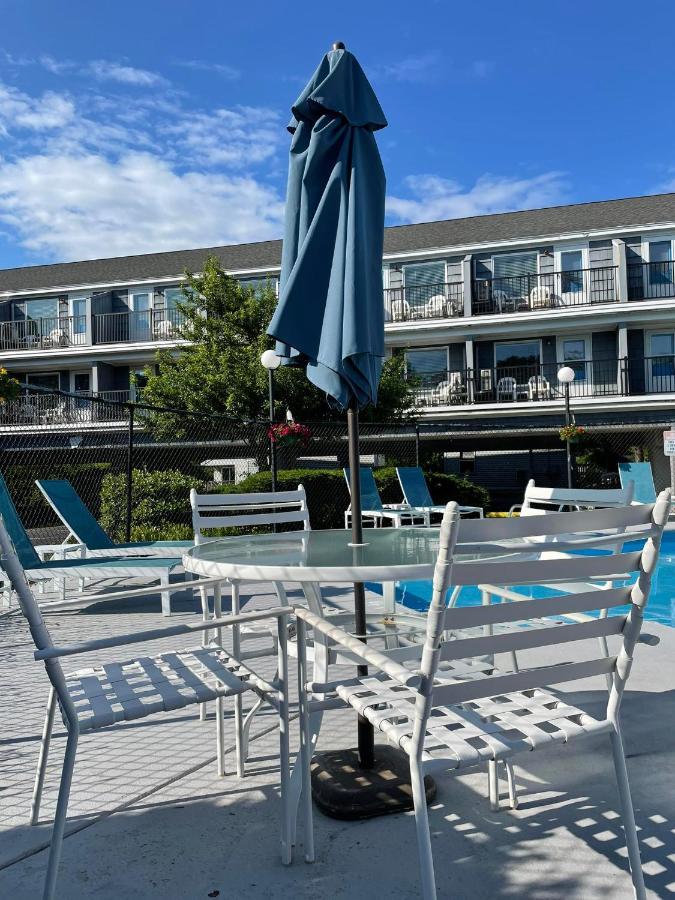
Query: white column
[622,353]
[466,280]
[619,256]
[89,323]
[468,351]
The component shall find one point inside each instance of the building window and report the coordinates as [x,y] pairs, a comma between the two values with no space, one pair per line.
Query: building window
[258,285]
[172,297]
[662,349]
[428,363]
[518,355]
[47,380]
[572,271]
[574,356]
[660,262]
[514,275]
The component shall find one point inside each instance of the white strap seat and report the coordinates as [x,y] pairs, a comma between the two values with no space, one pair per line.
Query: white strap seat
[118,692]
[489,728]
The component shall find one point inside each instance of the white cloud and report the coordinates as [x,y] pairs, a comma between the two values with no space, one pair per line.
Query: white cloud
[435,198]
[481,68]
[81,207]
[415,69]
[229,73]
[49,111]
[123,74]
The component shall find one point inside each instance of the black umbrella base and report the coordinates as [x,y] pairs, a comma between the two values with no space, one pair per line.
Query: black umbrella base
[343,790]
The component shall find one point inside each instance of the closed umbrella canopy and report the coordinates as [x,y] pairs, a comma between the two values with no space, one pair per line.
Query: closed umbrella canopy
[330,316]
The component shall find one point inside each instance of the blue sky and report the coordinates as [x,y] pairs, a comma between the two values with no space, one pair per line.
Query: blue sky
[127,127]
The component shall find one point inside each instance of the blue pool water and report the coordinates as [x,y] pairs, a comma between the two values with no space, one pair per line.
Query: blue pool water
[661,607]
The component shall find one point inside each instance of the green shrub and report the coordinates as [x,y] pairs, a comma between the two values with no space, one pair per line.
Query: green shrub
[326,489]
[442,488]
[160,505]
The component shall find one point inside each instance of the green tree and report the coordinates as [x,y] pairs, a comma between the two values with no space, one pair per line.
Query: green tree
[219,370]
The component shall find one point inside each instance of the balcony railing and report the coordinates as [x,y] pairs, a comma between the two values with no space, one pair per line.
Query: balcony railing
[424,301]
[513,384]
[58,409]
[528,293]
[651,280]
[44,333]
[141,325]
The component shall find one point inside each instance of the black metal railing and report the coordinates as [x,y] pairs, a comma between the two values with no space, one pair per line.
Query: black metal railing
[43,333]
[651,280]
[528,293]
[513,384]
[131,326]
[424,301]
[33,408]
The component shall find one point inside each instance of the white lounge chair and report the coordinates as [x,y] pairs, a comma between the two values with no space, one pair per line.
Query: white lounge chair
[507,389]
[452,722]
[538,388]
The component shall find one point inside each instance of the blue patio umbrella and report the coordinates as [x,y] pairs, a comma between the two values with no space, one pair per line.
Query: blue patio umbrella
[330,316]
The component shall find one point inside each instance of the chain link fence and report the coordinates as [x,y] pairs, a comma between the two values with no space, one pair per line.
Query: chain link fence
[133,465]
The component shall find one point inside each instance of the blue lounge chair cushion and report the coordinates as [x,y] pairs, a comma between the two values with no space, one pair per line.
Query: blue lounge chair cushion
[640,473]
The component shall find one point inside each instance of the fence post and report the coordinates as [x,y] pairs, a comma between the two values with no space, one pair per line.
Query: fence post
[417,445]
[130,469]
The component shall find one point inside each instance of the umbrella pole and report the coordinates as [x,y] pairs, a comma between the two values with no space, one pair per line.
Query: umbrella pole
[366,737]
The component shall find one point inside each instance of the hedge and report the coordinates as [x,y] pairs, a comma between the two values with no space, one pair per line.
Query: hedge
[161,508]
[326,489]
[160,505]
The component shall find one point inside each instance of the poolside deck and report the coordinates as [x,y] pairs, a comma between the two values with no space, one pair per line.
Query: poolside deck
[150,818]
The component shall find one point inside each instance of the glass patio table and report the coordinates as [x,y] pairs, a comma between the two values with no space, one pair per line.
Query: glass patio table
[387,555]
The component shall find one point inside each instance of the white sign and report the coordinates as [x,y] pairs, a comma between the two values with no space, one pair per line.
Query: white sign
[669,443]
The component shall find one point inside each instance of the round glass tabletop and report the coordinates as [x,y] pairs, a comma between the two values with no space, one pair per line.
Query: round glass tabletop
[388,554]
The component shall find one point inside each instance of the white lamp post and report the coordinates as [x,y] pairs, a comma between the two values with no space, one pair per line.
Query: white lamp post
[566,376]
[271,361]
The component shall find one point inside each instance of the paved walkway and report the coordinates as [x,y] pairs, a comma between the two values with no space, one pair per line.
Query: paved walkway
[179,832]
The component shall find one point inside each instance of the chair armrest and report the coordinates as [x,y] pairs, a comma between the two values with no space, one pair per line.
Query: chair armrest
[140,637]
[358,648]
[59,548]
[515,508]
[136,592]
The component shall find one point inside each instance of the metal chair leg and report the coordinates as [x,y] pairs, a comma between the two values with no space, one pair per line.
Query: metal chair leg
[305,750]
[629,827]
[42,758]
[493,785]
[423,835]
[220,735]
[60,817]
[284,751]
[511,781]
[166,596]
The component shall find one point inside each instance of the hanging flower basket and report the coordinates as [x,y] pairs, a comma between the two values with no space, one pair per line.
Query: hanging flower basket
[289,434]
[571,433]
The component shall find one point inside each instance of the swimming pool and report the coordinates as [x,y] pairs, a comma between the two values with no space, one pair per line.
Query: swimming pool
[661,607]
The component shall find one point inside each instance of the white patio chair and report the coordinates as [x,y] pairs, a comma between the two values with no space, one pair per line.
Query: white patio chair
[540,297]
[101,696]
[436,307]
[507,389]
[538,501]
[400,310]
[503,301]
[216,511]
[538,388]
[446,722]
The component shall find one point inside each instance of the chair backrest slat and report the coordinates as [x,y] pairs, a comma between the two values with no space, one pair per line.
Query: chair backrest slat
[482,530]
[68,506]
[556,568]
[23,546]
[247,510]
[495,685]
[560,604]
[370,496]
[529,638]
[414,486]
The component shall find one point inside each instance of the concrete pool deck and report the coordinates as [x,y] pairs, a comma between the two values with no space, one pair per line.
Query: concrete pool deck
[149,817]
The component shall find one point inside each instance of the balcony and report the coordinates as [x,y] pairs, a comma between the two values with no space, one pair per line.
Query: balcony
[424,301]
[541,292]
[57,409]
[651,280]
[138,326]
[43,334]
[537,383]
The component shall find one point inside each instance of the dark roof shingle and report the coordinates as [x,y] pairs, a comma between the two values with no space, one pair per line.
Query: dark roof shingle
[475,230]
